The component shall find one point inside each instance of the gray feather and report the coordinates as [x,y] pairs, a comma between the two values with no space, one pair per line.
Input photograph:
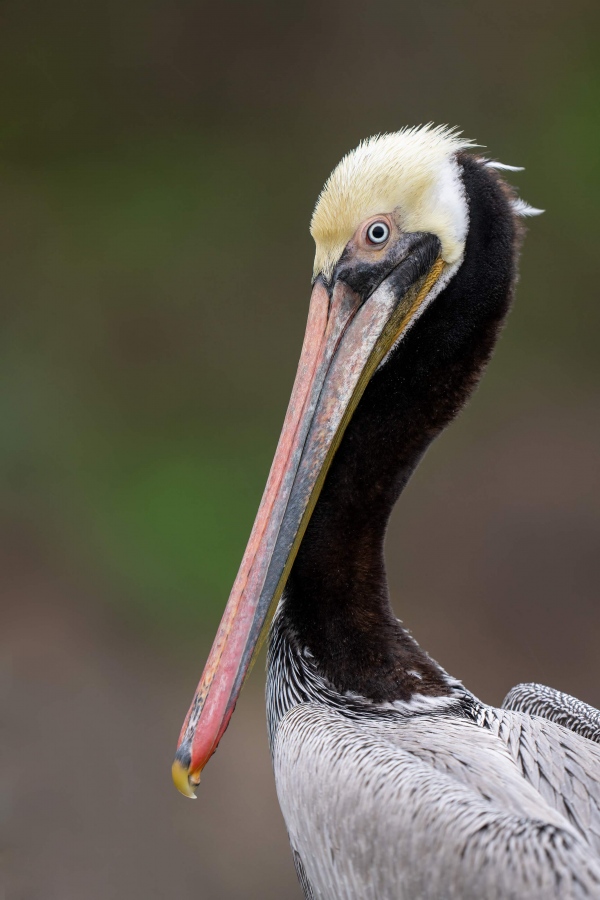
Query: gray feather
[396,812]
[433,798]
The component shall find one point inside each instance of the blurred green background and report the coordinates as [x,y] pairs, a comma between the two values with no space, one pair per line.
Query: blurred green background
[159,162]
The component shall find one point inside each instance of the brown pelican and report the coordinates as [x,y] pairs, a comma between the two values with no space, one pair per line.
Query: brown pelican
[394,780]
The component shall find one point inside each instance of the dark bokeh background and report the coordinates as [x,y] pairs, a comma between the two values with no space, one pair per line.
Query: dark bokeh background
[158,166]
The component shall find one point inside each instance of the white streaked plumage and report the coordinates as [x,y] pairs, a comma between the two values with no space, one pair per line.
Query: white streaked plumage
[539,700]
[457,800]
[408,817]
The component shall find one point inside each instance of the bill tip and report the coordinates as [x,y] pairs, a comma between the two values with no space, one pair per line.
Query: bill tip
[182,781]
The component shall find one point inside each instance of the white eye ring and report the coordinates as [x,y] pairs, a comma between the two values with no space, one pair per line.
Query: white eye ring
[378,232]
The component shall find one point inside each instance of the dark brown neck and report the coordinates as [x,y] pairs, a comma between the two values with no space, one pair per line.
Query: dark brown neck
[336,599]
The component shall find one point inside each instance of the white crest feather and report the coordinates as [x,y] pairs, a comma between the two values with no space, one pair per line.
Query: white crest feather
[503,167]
[522,208]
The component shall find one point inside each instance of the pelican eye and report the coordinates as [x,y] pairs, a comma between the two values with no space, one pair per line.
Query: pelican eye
[378,232]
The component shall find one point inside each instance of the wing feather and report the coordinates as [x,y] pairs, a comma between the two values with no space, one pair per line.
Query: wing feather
[558,762]
[430,807]
[539,700]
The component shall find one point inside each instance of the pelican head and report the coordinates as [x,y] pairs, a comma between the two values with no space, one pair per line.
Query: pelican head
[391,227]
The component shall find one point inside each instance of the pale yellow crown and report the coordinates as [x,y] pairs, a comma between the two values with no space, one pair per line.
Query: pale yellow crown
[412,174]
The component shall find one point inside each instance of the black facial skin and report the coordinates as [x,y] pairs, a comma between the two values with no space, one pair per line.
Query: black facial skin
[336,601]
[418,251]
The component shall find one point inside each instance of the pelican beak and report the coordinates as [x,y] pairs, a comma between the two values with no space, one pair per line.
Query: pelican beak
[348,334]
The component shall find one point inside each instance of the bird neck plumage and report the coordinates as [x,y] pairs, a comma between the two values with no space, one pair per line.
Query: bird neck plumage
[337,600]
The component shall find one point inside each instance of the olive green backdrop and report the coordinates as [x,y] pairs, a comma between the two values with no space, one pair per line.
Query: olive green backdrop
[158,166]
